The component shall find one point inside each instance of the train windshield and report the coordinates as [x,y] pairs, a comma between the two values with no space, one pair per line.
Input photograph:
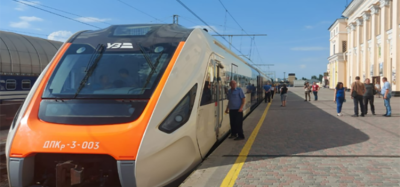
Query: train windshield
[128,63]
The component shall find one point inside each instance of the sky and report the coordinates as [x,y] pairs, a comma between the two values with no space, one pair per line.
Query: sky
[297,38]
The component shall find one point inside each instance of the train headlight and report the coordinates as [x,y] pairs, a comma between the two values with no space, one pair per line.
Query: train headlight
[181,113]
[178,118]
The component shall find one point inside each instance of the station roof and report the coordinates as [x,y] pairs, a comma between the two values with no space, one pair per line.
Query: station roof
[25,55]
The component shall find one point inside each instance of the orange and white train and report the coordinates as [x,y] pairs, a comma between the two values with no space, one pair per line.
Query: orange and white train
[128,105]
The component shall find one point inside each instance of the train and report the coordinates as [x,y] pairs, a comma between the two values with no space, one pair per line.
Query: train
[129,105]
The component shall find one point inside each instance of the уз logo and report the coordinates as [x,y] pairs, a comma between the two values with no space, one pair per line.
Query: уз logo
[119,46]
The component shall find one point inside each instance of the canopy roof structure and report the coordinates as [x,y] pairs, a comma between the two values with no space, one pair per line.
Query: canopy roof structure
[25,55]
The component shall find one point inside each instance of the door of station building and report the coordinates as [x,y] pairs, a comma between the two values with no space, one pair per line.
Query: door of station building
[376,79]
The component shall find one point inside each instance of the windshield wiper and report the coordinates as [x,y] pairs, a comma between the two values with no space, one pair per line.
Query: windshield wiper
[152,71]
[146,57]
[99,52]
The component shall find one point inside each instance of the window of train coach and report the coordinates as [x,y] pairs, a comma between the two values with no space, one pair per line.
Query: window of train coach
[26,84]
[11,84]
[114,74]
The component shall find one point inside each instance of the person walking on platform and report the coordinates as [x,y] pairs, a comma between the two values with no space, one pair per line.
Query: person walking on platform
[369,96]
[284,91]
[272,91]
[339,97]
[387,94]
[357,91]
[267,89]
[315,89]
[307,91]
[236,101]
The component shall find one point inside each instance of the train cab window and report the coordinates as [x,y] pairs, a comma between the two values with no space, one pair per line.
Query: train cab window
[85,72]
[26,84]
[11,84]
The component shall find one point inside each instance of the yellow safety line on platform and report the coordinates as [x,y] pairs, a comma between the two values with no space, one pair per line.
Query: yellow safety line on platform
[232,175]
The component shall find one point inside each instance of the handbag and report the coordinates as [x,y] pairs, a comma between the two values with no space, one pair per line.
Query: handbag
[354,93]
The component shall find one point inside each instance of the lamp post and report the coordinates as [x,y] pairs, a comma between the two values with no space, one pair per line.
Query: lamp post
[284,76]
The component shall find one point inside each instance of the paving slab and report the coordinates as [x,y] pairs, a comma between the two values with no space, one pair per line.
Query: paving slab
[306,144]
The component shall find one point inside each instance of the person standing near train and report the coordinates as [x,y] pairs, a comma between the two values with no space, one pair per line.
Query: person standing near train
[272,91]
[267,90]
[236,101]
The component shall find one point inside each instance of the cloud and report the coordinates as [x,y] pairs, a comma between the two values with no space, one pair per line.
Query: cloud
[302,66]
[91,19]
[307,48]
[25,22]
[21,24]
[309,27]
[22,6]
[31,18]
[59,35]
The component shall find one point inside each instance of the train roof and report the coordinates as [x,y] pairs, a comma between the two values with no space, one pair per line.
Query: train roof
[146,33]
[25,55]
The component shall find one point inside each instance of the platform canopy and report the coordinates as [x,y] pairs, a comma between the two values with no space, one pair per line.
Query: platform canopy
[25,55]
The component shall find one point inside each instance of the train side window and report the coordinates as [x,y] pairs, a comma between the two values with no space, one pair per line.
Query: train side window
[234,72]
[26,84]
[11,84]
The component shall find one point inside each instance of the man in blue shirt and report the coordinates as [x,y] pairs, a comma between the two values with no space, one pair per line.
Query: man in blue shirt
[236,101]
[387,94]
[267,89]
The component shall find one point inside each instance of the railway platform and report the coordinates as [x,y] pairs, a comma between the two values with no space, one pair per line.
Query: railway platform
[306,144]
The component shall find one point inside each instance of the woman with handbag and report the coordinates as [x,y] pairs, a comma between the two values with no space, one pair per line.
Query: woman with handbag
[370,91]
[339,97]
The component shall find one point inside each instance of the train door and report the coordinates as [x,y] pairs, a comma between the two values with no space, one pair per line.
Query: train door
[219,97]
[206,117]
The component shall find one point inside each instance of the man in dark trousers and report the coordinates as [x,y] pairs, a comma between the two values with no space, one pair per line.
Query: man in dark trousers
[357,97]
[267,90]
[236,101]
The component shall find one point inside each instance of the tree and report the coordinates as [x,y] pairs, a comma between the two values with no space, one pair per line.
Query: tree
[295,78]
[320,77]
[314,77]
[303,78]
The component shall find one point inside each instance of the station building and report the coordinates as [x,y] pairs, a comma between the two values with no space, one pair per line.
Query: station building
[365,42]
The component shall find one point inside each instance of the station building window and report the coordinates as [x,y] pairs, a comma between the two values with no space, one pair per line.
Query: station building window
[11,84]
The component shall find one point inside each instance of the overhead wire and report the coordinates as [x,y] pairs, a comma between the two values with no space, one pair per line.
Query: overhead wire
[215,24]
[33,6]
[252,38]
[140,10]
[89,18]
[205,23]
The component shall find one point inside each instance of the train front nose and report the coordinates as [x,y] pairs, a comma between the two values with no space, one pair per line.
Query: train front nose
[65,170]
